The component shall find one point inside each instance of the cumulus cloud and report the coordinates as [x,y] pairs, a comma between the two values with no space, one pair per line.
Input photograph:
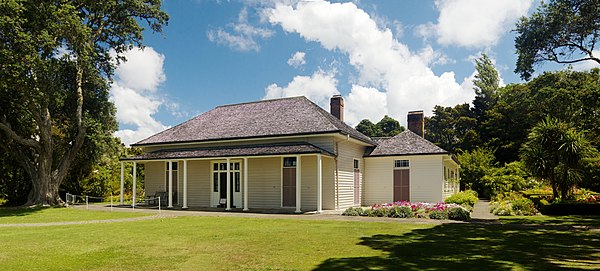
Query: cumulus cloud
[474,23]
[318,87]
[365,103]
[297,60]
[242,36]
[134,93]
[386,67]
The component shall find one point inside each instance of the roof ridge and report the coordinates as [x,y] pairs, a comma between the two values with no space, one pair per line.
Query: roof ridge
[262,101]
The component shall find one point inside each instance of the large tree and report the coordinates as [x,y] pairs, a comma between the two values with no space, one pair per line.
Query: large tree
[56,65]
[561,31]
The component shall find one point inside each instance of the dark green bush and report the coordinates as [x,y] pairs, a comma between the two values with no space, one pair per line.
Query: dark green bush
[352,211]
[570,209]
[438,214]
[459,213]
[401,212]
[464,198]
[381,212]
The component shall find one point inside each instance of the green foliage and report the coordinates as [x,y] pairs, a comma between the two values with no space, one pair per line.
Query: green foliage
[475,165]
[591,173]
[511,177]
[554,152]
[487,82]
[453,128]
[459,213]
[561,31]
[438,214]
[401,212]
[512,204]
[466,198]
[573,97]
[352,211]
[56,65]
[386,127]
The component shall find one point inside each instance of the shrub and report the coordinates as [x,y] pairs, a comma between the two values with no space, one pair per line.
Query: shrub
[352,211]
[438,214]
[512,204]
[570,208]
[459,213]
[380,212]
[401,212]
[464,198]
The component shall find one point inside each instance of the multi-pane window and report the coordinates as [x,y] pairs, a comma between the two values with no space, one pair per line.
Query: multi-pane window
[356,164]
[289,162]
[401,163]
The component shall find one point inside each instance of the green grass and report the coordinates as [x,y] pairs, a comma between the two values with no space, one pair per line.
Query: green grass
[234,243]
[567,220]
[43,215]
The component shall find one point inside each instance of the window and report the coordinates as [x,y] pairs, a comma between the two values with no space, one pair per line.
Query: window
[401,163]
[236,179]
[289,162]
[356,164]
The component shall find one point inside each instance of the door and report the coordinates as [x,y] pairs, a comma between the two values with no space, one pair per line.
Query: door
[219,184]
[289,187]
[401,185]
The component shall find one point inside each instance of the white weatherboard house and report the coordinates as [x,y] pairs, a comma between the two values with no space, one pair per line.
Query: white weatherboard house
[290,154]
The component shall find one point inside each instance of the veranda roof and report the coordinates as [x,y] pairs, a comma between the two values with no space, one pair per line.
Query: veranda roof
[232,151]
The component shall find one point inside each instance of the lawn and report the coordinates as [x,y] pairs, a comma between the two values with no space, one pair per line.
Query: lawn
[234,243]
[43,215]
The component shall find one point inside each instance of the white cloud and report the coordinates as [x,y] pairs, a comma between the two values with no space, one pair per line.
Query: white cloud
[381,61]
[142,71]
[587,65]
[297,60]
[319,87]
[474,23]
[134,93]
[243,36]
[365,103]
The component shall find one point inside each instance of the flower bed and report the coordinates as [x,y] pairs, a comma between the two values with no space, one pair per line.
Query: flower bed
[405,209]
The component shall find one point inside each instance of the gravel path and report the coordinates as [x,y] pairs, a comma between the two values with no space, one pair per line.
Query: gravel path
[481,212]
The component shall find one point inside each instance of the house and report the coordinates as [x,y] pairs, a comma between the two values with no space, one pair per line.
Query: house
[290,154]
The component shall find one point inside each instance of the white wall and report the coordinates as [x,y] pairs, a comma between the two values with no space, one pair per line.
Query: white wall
[426,178]
[347,151]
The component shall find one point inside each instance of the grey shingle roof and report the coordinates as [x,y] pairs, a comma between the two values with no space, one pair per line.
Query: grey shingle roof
[232,151]
[405,143]
[278,117]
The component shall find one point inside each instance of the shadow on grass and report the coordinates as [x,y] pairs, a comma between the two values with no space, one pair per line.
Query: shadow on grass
[570,220]
[19,211]
[477,247]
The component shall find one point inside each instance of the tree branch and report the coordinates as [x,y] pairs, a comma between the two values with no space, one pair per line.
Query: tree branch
[16,138]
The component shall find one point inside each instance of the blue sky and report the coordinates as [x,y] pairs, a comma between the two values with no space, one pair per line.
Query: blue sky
[384,57]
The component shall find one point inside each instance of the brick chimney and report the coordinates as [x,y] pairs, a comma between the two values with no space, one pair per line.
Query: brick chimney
[416,123]
[337,107]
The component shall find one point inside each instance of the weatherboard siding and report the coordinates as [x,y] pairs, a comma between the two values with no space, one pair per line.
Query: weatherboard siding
[198,183]
[347,152]
[154,177]
[264,183]
[426,178]
[328,183]
[379,176]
